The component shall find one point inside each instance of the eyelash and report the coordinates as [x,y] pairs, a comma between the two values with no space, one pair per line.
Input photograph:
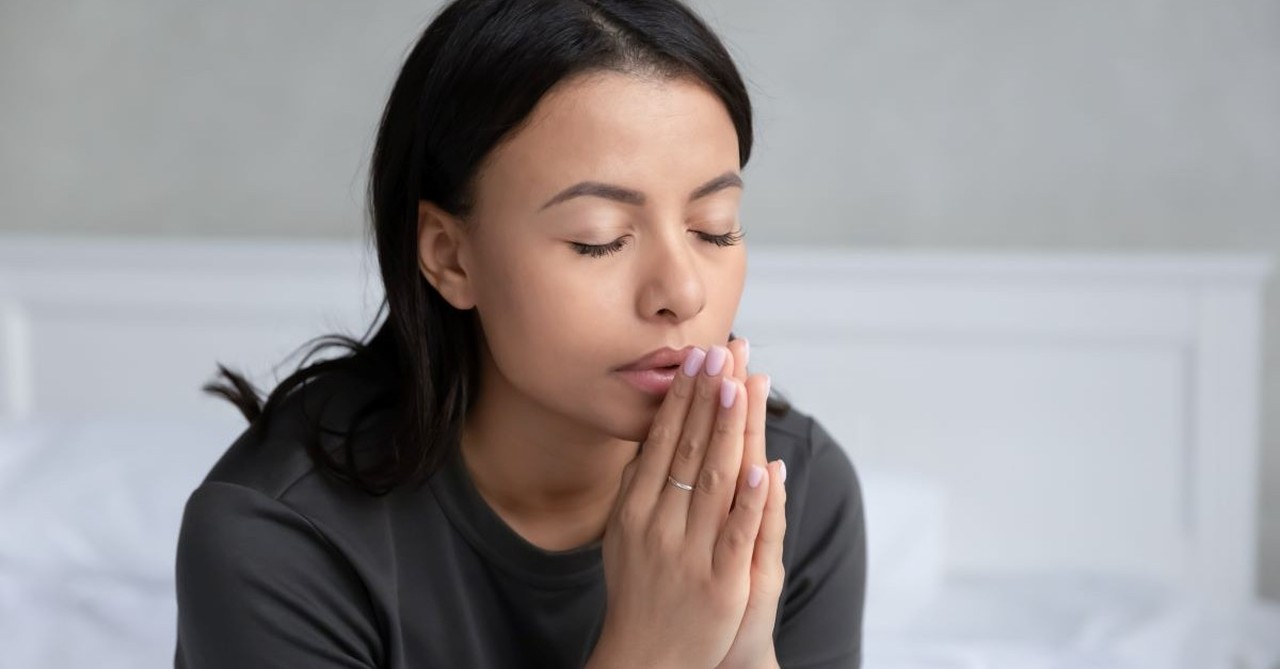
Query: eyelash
[600,250]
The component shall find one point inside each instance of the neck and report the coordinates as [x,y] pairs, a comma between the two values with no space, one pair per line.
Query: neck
[549,477]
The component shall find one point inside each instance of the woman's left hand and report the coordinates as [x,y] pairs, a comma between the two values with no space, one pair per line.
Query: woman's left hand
[752,648]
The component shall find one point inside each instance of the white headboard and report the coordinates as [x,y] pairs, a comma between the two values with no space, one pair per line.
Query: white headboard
[1082,411]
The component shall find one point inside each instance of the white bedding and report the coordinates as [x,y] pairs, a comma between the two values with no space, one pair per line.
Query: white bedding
[89,515]
[1058,621]
[90,508]
[1067,621]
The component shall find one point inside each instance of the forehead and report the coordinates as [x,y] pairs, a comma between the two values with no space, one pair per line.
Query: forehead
[656,135]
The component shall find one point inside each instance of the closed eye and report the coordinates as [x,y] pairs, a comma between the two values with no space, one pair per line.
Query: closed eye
[600,250]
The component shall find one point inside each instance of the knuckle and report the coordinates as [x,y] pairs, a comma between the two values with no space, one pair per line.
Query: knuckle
[682,389]
[689,448]
[662,433]
[707,386]
[772,578]
[660,538]
[735,538]
[630,517]
[725,428]
[711,479]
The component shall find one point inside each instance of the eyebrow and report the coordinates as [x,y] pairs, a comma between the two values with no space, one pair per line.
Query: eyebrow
[635,197]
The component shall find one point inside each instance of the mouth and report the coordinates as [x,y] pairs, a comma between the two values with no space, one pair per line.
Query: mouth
[652,380]
[663,359]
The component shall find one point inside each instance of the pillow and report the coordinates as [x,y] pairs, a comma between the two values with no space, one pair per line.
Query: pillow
[101,494]
[85,620]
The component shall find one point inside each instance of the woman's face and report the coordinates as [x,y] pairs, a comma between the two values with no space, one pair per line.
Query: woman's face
[559,322]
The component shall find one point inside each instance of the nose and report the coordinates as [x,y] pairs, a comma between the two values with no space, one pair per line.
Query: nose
[672,284]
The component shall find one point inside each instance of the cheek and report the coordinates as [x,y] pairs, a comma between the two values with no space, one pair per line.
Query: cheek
[546,327]
[724,292]
[556,338]
[735,277]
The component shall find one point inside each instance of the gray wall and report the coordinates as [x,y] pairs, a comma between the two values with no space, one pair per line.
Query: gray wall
[1087,125]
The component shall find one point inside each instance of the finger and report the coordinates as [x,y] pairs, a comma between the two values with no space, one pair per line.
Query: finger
[718,478]
[741,350]
[757,413]
[664,432]
[736,543]
[691,447]
[753,437]
[766,561]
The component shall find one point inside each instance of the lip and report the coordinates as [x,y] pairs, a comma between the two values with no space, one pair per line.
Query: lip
[663,357]
[652,381]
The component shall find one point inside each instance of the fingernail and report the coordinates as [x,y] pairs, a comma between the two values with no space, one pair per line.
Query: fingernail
[768,383]
[693,361]
[746,351]
[715,360]
[755,475]
[728,393]
[782,471]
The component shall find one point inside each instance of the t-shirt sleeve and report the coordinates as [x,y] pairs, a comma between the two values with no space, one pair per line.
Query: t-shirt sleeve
[820,616]
[259,586]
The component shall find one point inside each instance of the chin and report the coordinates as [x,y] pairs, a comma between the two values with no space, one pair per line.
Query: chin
[619,412]
[635,427]
[629,422]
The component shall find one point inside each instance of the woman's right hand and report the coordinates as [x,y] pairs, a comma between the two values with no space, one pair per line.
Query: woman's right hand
[677,562]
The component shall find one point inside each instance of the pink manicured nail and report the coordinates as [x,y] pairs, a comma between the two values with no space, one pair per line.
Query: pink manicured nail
[755,475]
[693,361]
[715,360]
[782,471]
[746,351]
[728,393]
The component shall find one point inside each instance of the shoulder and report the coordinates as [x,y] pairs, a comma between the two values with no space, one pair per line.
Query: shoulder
[268,484]
[272,457]
[819,620]
[818,466]
[265,535]
[825,516]
[249,570]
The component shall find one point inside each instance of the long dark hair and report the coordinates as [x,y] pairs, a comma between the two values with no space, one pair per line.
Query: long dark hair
[471,80]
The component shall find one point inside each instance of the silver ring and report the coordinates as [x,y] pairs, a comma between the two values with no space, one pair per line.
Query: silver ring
[682,486]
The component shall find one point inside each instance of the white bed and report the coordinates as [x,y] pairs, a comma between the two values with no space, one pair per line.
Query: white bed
[1058,452]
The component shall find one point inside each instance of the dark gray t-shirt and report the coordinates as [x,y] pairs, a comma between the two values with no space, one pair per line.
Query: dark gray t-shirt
[280,565]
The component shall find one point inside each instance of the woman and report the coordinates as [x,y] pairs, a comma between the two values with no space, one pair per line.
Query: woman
[503,475]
